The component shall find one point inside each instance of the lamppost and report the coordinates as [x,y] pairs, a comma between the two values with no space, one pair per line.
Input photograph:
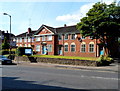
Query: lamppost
[10,30]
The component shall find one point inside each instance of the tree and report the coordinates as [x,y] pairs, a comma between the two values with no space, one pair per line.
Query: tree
[5,44]
[102,22]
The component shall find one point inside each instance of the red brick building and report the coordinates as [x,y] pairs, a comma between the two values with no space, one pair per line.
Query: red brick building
[66,41]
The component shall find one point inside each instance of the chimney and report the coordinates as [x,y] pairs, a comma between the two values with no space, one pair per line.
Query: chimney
[7,31]
[29,30]
[65,25]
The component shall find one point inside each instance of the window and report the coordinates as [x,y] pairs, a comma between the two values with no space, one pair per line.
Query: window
[66,47]
[49,37]
[49,48]
[20,39]
[43,38]
[72,47]
[82,37]
[32,39]
[73,36]
[66,37]
[28,39]
[25,39]
[83,47]
[38,48]
[29,45]
[91,47]
[59,37]
[17,40]
[90,37]
[37,38]
[25,45]
[20,45]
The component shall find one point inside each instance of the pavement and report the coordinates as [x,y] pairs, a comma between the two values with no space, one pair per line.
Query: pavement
[114,67]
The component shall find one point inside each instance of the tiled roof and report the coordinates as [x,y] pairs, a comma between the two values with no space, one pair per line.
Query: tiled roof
[26,33]
[59,30]
[67,29]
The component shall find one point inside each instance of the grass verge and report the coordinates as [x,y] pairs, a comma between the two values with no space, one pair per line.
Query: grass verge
[67,57]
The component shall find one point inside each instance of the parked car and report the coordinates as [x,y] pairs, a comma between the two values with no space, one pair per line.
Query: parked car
[5,60]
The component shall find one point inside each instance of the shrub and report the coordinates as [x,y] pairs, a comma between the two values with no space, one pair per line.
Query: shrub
[21,51]
[105,60]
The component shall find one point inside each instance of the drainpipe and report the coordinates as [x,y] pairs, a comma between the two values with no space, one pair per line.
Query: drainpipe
[63,45]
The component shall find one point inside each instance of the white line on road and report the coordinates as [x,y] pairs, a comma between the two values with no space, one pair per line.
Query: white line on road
[100,77]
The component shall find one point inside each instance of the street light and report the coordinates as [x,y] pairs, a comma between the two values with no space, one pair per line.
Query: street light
[10,30]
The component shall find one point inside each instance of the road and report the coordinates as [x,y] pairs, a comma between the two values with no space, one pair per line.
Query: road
[32,77]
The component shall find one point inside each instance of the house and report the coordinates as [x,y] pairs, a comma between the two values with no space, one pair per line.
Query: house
[65,41]
[7,35]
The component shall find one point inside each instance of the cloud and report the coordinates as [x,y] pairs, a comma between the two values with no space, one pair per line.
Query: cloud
[75,17]
[71,19]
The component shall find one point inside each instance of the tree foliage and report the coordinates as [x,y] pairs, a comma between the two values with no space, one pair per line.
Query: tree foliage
[101,22]
[5,44]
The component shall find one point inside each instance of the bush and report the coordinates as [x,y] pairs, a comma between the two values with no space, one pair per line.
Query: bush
[21,51]
[105,60]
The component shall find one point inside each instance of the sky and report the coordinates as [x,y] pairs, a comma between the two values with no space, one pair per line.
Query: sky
[34,13]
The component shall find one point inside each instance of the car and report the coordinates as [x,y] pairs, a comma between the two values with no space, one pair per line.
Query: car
[5,60]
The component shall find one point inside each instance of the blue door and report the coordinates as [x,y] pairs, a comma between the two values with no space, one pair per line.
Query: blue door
[44,49]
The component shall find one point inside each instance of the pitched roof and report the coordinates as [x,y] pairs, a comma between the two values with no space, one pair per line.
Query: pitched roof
[62,30]
[67,29]
[26,33]
[59,30]
[48,27]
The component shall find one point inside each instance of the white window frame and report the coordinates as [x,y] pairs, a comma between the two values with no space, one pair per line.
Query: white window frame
[83,47]
[82,37]
[91,47]
[71,47]
[20,40]
[29,39]
[43,38]
[37,38]
[65,36]
[60,37]
[37,48]
[49,37]
[72,37]
[66,44]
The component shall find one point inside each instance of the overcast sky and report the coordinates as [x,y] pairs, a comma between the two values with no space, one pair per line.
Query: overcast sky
[55,13]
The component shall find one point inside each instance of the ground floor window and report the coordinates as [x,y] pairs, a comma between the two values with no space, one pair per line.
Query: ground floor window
[91,47]
[72,47]
[83,47]
[49,47]
[38,48]
[66,48]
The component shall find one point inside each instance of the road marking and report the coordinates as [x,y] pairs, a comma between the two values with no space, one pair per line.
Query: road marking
[100,77]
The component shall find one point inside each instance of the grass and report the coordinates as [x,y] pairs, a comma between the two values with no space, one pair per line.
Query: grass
[67,57]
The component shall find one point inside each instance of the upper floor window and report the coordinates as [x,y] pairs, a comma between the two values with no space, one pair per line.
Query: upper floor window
[66,47]
[66,37]
[49,37]
[73,47]
[37,38]
[60,37]
[91,47]
[29,39]
[72,36]
[20,39]
[83,47]
[17,40]
[37,47]
[25,39]
[43,38]
[82,37]
[90,37]
[32,39]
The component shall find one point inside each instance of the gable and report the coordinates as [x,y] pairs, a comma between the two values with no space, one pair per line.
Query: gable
[45,31]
